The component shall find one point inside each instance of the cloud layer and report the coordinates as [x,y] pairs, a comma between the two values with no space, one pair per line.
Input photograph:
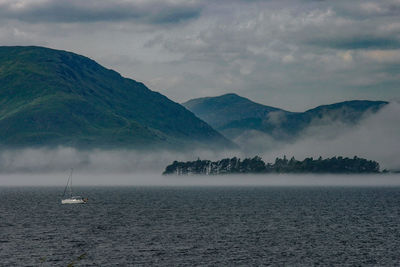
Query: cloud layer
[75,11]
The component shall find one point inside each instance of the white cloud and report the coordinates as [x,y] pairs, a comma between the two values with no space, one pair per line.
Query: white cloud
[382,56]
[346,56]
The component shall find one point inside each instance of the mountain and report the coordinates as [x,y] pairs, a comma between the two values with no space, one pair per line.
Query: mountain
[51,97]
[221,110]
[236,116]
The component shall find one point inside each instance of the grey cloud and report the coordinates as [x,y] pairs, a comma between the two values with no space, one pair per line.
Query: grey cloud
[366,9]
[283,51]
[75,11]
[357,42]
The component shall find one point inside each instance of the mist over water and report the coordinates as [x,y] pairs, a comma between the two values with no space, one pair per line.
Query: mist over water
[60,159]
[148,179]
[376,137]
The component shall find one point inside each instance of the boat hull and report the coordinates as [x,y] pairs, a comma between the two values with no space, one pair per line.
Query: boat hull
[73,201]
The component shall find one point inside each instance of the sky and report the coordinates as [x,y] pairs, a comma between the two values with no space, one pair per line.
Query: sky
[289,54]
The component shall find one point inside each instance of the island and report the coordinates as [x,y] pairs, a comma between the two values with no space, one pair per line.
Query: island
[256,165]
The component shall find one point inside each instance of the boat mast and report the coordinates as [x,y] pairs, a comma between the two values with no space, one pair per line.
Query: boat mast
[70,186]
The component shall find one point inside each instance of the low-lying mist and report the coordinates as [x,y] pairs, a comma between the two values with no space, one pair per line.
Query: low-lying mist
[54,160]
[148,179]
[376,137]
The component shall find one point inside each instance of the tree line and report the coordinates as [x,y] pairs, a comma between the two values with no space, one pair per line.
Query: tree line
[281,165]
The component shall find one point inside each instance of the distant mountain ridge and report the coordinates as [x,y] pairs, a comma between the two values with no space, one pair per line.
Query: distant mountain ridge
[234,116]
[221,110]
[53,97]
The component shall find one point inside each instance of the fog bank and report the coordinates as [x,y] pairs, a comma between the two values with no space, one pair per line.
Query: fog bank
[136,179]
[46,160]
[376,137]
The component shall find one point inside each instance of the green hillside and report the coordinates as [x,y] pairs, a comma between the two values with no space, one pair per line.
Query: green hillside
[221,110]
[52,97]
[234,115]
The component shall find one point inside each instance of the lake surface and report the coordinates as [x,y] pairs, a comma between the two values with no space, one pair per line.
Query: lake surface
[185,226]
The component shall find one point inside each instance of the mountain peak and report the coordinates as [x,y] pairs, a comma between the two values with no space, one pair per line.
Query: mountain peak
[54,97]
[219,110]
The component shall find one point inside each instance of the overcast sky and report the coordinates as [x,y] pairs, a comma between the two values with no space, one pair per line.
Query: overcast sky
[289,54]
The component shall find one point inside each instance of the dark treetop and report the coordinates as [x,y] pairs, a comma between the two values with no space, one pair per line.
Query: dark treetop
[256,166]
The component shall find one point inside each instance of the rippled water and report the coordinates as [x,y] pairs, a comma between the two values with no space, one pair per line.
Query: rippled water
[178,226]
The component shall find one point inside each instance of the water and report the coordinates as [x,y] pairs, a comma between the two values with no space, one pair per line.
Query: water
[178,226]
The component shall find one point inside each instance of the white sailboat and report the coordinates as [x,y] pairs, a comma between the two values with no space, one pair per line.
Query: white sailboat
[68,197]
